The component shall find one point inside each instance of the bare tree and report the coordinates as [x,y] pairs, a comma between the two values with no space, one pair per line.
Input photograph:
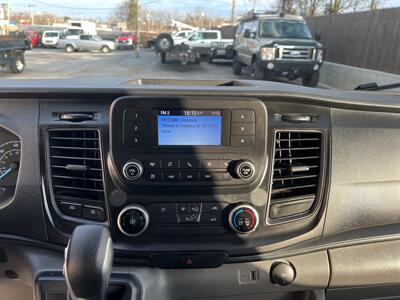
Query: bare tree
[309,7]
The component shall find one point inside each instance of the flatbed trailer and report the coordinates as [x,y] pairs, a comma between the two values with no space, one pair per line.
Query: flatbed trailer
[12,50]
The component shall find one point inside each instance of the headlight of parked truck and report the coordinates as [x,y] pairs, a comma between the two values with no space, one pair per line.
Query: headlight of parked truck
[267,53]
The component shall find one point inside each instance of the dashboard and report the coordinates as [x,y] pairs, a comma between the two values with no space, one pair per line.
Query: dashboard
[234,179]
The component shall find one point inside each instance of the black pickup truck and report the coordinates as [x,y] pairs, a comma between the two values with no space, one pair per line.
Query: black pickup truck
[12,51]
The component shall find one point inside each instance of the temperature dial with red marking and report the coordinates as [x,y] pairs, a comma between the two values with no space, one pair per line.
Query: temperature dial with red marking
[243,218]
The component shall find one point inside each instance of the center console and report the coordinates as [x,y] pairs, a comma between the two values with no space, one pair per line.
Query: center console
[179,160]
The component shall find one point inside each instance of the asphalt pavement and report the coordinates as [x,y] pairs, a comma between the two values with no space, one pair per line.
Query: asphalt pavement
[55,63]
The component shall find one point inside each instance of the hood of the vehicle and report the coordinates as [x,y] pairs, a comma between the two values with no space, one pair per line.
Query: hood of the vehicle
[291,42]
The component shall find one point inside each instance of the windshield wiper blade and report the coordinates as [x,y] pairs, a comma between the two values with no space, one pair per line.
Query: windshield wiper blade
[373,86]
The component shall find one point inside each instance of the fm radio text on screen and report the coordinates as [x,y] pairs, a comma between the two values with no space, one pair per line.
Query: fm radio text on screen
[189,128]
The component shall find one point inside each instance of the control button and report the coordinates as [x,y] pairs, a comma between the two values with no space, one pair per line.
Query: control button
[243,128]
[153,176]
[213,207]
[244,169]
[71,209]
[206,176]
[215,164]
[152,164]
[190,176]
[94,213]
[210,218]
[171,176]
[162,208]
[243,116]
[170,164]
[135,140]
[195,207]
[243,219]
[189,218]
[133,128]
[190,164]
[133,170]
[133,220]
[282,273]
[225,176]
[133,116]
[190,260]
[243,140]
[182,208]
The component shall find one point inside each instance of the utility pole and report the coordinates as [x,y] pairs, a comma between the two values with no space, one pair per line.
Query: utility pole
[254,5]
[31,6]
[233,14]
[138,38]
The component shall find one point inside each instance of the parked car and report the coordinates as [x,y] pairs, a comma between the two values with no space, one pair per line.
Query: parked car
[201,40]
[126,40]
[33,36]
[50,38]
[86,42]
[278,45]
[220,50]
[12,49]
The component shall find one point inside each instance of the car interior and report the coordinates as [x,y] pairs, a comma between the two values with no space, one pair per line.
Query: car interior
[185,189]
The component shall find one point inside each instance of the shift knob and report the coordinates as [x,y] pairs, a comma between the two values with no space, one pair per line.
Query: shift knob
[88,262]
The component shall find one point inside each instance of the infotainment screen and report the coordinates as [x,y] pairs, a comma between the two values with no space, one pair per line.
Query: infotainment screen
[189,127]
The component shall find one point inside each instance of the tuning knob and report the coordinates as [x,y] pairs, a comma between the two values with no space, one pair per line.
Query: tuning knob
[244,169]
[133,170]
[243,219]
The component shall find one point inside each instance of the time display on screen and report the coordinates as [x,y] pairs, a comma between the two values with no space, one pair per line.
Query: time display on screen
[189,127]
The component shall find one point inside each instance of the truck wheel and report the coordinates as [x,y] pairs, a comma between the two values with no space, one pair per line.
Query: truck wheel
[164,42]
[237,66]
[105,49]
[69,49]
[17,64]
[163,58]
[311,80]
[257,72]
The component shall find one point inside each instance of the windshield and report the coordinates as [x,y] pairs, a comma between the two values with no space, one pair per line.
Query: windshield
[284,29]
[320,44]
[74,31]
[51,34]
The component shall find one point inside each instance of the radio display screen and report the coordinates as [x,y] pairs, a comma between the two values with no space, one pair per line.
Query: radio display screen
[189,127]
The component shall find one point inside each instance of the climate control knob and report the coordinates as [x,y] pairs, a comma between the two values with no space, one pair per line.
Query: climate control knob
[243,219]
[244,169]
[133,220]
[133,170]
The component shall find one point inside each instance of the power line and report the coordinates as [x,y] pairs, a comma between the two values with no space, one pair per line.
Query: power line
[72,7]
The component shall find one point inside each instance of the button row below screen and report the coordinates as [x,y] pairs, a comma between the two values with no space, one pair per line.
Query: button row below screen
[187,176]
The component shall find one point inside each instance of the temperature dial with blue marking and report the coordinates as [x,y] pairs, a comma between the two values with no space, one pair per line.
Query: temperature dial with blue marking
[243,219]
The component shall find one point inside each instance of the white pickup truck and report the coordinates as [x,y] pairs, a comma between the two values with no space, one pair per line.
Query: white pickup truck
[202,40]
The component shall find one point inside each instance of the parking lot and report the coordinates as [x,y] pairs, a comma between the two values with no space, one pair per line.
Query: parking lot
[55,63]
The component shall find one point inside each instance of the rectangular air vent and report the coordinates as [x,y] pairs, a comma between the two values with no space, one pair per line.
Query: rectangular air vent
[76,173]
[296,173]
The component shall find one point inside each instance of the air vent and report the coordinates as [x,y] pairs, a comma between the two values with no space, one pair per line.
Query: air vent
[296,174]
[76,173]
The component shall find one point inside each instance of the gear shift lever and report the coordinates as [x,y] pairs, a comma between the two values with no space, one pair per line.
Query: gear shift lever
[88,262]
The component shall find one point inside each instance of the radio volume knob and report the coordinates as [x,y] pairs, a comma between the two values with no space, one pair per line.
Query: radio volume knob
[245,169]
[133,170]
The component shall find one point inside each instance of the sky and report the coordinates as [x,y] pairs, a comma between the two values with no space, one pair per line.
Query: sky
[101,9]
